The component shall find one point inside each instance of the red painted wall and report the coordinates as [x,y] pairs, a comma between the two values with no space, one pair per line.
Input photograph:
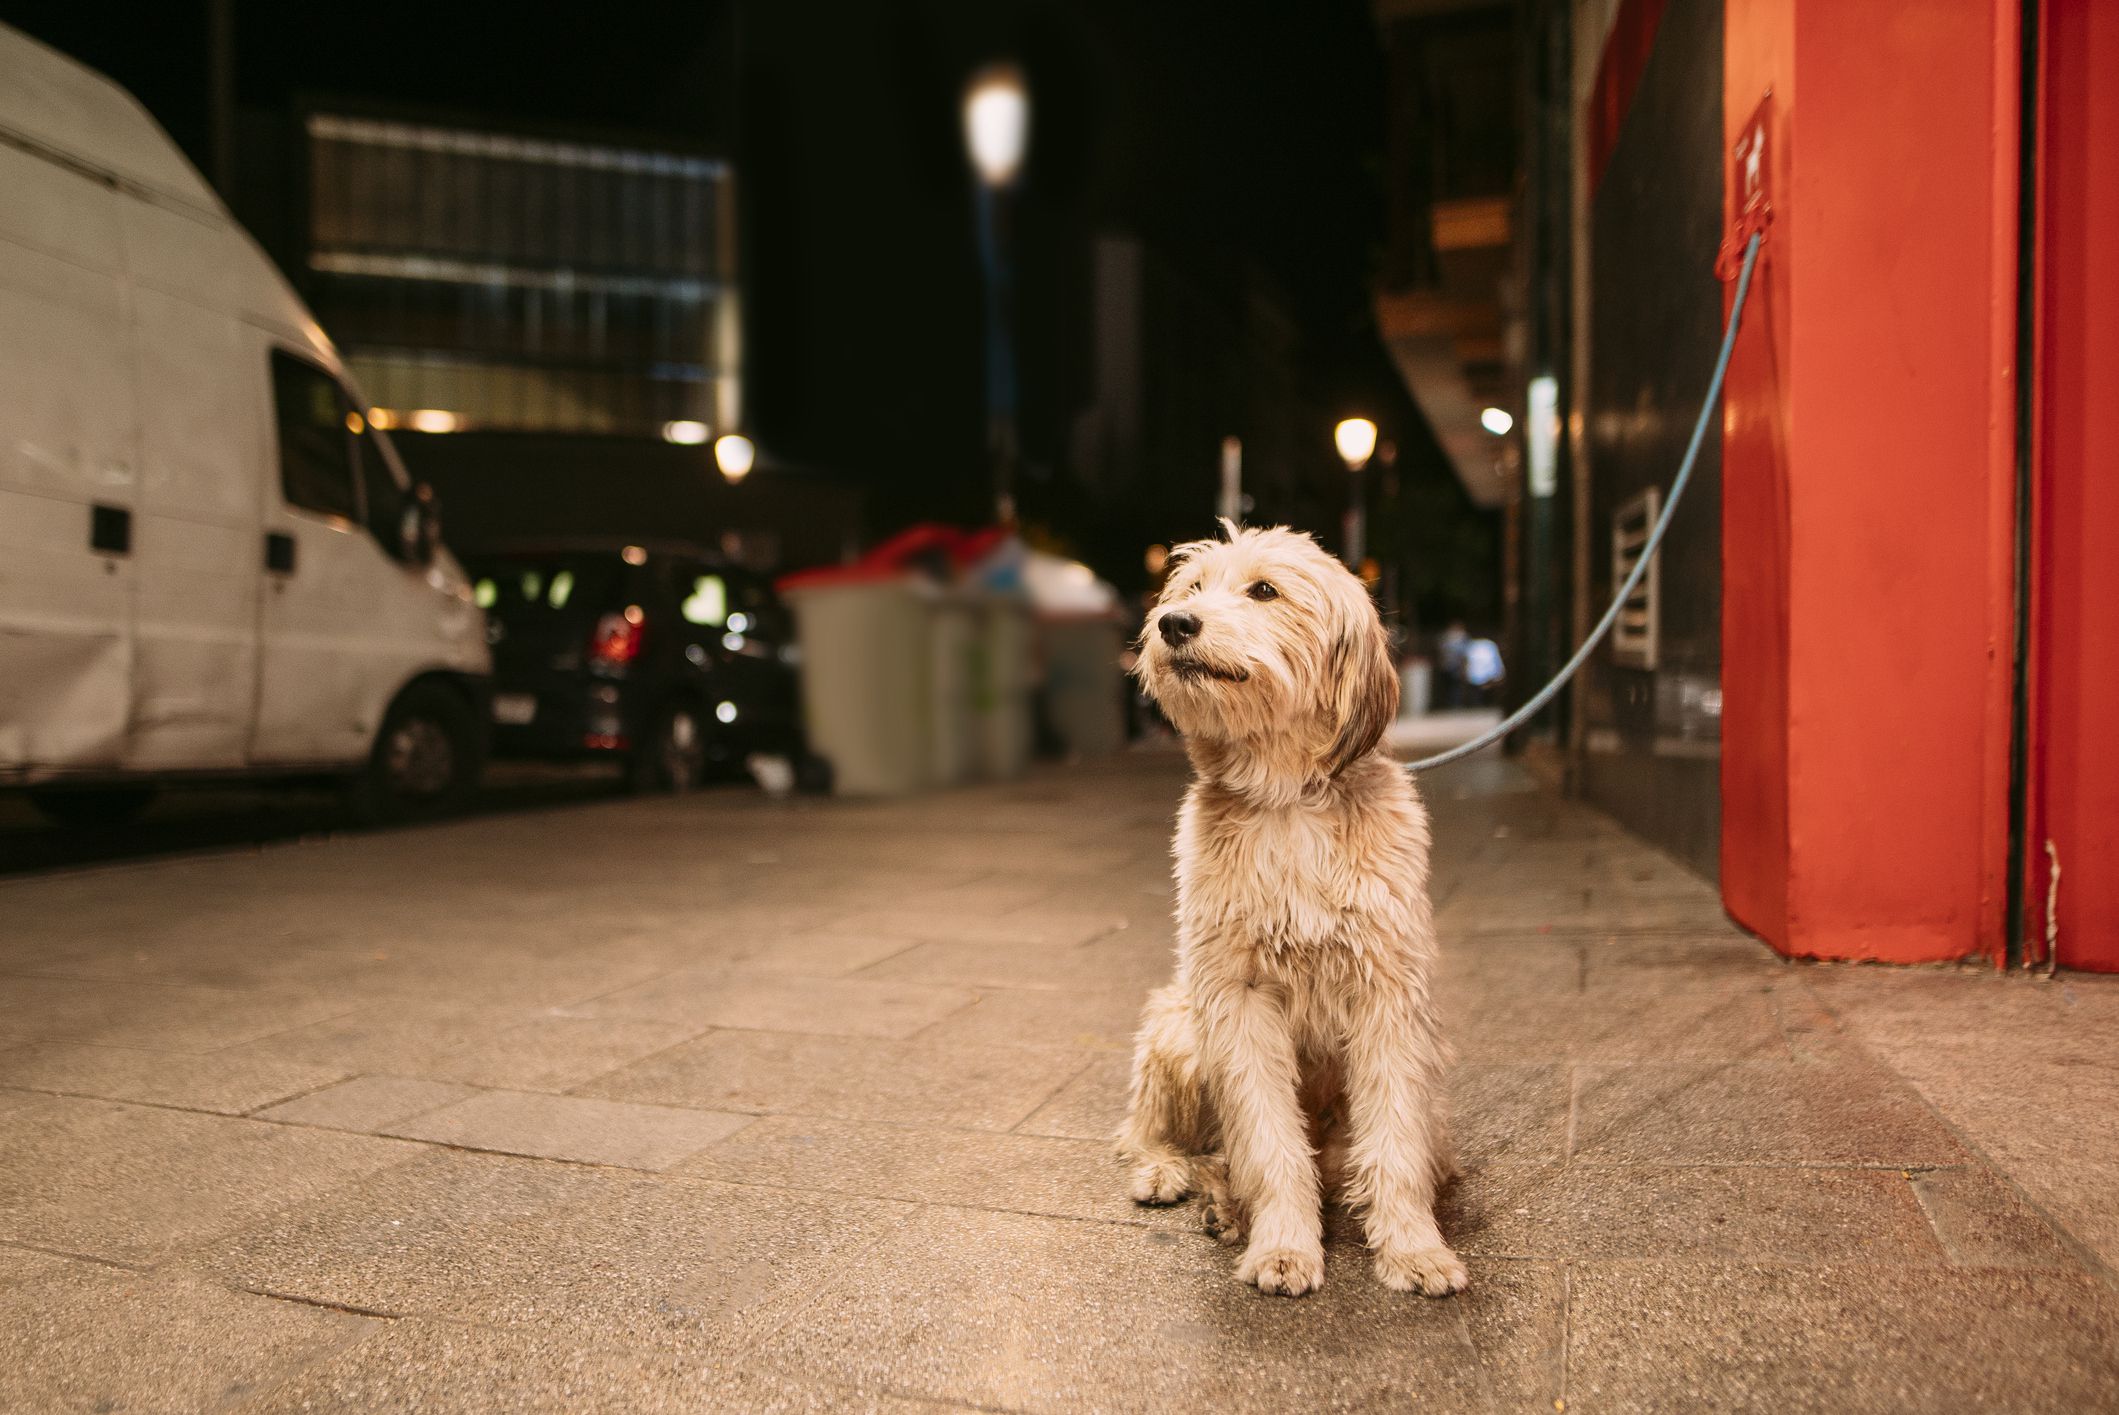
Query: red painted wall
[1758,56]
[2074,658]
[1867,480]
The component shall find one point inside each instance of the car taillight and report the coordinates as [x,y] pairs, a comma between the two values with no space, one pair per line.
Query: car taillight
[616,641]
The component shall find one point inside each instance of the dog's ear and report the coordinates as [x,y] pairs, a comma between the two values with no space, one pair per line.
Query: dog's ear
[1364,691]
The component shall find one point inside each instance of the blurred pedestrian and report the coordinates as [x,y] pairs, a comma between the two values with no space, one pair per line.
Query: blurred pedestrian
[1449,663]
[1482,671]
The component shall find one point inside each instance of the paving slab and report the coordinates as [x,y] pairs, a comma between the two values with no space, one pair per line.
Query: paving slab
[1090,1106]
[1688,1336]
[1982,1221]
[932,1165]
[935,922]
[2025,1068]
[1755,1112]
[135,1184]
[1502,1112]
[154,1015]
[908,1082]
[1786,1215]
[82,1336]
[718,997]
[816,954]
[572,1128]
[366,1102]
[412,1367]
[232,1084]
[1102,1020]
[446,1039]
[1021,1313]
[603,1256]
[1130,961]
[1501,1024]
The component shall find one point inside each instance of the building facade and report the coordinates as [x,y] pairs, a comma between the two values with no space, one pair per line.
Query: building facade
[1870,690]
[483,280]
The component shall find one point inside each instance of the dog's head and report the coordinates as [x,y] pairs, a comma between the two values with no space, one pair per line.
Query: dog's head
[1263,644]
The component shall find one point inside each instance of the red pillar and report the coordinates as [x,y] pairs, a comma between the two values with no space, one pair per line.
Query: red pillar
[2074,650]
[1867,466]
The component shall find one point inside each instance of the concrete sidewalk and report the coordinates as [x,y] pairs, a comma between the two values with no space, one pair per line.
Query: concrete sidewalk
[727,1104]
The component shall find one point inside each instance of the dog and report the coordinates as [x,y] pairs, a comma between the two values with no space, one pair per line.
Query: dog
[1297,1054]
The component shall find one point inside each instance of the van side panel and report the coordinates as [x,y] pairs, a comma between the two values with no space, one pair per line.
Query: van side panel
[67,446]
[202,401]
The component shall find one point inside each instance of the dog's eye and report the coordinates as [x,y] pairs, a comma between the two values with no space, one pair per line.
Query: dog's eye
[1263,591]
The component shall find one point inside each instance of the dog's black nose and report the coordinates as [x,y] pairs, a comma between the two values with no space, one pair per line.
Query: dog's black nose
[1177,626]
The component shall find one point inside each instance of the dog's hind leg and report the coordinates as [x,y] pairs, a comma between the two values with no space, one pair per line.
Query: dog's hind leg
[1163,1128]
[1223,1213]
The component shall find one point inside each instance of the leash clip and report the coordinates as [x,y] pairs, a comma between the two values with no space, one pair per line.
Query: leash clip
[1753,220]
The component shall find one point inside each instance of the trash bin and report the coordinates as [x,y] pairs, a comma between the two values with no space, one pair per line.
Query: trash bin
[956,653]
[1002,700]
[868,679]
[1084,688]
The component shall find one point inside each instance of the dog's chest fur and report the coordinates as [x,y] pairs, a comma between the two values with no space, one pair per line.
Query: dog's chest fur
[1336,873]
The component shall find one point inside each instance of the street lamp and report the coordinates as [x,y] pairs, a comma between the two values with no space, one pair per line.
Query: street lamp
[997,123]
[1356,440]
[734,455]
[996,135]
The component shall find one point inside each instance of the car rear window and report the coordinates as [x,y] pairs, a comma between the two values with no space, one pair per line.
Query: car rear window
[518,588]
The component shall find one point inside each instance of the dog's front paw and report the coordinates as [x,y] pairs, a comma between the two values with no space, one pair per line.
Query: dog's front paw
[1160,1181]
[1435,1272]
[1288,1272]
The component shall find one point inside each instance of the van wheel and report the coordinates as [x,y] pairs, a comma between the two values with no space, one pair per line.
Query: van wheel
[85,808]
[426,760]
[673,758]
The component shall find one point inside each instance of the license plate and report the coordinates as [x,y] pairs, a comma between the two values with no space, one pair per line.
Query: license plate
[514,709]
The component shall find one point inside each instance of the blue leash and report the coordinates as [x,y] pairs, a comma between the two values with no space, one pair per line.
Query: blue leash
[1545,695]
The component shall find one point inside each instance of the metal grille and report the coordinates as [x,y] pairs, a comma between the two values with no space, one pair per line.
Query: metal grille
[1633,637]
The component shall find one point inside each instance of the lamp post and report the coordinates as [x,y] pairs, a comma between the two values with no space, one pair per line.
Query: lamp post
[1356,440]
[996,133]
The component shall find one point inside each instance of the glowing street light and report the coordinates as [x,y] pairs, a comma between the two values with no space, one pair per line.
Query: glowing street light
[997,123]
[1497,421]
[1356,440]
[734,455]
[996,136]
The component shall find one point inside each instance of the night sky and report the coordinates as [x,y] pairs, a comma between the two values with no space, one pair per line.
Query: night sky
[1227,133]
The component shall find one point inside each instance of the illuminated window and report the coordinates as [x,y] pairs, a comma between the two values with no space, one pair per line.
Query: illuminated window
[708,601]
[485,594]
[532,586]
[562,588]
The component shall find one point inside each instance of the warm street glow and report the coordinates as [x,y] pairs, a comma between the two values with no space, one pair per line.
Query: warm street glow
[734,455]
[997,123]
[1356,440]
[1497,421]
[685,432]
[432,420]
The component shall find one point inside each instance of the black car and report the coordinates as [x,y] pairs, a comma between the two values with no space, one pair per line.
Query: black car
[665,657]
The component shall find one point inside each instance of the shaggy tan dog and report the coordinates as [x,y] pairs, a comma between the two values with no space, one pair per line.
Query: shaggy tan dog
[1297,1053]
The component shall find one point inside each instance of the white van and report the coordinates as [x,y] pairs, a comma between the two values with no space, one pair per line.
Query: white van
[212,564]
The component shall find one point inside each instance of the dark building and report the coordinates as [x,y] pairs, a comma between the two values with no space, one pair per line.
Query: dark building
[508,282]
